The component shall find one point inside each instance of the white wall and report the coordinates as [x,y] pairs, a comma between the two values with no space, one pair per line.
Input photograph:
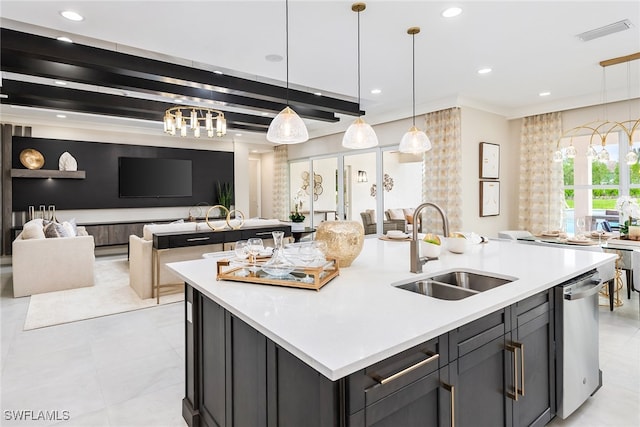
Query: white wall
[481,126]
[266,184]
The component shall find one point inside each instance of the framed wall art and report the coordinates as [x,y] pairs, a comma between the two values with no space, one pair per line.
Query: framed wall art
[489,198]
[489,161]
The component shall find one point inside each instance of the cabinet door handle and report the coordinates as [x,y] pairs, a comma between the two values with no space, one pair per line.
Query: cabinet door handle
[197,239]
[514,395]
[521,347]
[451,389]
[264,233]
[514,347]
[431,358]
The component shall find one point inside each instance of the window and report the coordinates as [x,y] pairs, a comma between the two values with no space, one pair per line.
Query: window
[592,186]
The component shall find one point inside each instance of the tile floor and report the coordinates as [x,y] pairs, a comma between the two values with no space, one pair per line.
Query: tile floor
[128,369]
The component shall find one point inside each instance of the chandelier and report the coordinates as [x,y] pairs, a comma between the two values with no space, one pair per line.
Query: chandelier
[602,128]
[180,119]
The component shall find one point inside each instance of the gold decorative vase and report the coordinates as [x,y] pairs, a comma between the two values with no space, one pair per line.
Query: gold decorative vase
[344,240]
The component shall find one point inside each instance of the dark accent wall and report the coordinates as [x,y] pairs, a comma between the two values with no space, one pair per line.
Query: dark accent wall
[99,189]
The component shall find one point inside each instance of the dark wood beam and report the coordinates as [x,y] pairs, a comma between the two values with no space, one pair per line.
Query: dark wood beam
[29,45]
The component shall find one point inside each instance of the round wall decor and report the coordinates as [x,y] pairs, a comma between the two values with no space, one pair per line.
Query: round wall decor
[31,158]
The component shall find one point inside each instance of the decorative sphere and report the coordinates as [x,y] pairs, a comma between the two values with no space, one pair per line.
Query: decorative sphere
[344,240]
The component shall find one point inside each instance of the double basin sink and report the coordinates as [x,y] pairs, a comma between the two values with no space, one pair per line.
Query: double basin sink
[455,285]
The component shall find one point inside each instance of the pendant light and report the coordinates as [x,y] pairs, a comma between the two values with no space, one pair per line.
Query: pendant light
[287,127]
[359,134]
[414,141]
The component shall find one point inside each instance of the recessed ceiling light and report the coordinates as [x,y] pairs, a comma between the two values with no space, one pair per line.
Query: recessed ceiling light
[376,91]
[61,83]
[71,15]
[264,113]
[179,101]
[273,57]
[238,134]
[64,39]
[254,151]
[544,93]
[317,93]
[485,70]
[217,72]
[61,116]
[451,12]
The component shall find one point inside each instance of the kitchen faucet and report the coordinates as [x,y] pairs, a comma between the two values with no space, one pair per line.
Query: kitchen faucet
[416,261]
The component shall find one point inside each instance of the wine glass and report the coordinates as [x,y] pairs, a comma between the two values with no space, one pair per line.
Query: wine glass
[254,247]
[307,252]
[580,226]
[241,249]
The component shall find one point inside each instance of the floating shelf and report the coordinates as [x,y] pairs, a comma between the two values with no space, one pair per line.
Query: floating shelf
[47,173]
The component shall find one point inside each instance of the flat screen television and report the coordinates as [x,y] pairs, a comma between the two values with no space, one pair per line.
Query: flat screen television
[151,177]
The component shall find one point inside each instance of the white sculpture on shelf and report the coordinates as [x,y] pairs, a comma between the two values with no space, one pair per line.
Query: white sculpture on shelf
[67,162]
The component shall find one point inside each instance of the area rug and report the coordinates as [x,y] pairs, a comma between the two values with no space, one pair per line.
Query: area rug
[110,294]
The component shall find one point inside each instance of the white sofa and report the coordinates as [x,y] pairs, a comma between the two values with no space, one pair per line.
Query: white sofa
[52,264]
[141,253]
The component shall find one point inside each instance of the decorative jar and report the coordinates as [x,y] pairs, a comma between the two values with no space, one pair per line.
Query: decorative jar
[344,240]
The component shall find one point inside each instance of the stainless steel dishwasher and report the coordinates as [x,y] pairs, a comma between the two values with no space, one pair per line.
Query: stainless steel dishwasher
[578,374]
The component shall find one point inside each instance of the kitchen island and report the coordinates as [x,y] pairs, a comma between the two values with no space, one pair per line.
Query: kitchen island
[266,355]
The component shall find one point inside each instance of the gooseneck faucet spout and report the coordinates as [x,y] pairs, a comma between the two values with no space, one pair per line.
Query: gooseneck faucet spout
[416,261]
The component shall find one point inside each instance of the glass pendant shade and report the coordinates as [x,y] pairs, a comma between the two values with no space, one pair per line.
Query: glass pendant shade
[359,135]
[287,128]
[415,141]
[557,156]
[603,156]
[591,153]
[571,152]
[632,158]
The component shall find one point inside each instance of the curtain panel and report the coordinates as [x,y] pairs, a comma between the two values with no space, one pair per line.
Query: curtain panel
[541,196]
[281,183]
[442,169]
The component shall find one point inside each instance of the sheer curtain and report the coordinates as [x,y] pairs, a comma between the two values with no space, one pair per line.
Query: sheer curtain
[541,202]
[281,183]
[442,169]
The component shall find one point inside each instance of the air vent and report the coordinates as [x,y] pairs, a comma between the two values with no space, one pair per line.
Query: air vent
[605,31]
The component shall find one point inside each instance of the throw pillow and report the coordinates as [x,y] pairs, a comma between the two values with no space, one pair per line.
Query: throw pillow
[71,227]
[32,230]
[54,229]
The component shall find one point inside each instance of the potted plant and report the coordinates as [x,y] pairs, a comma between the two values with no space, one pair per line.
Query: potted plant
[225,194]
[296,217]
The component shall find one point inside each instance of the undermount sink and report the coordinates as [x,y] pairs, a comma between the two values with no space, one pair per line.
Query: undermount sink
[454,285]
[437,290]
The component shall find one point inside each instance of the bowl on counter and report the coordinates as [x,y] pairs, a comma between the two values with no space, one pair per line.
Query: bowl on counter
[430,250]
[457,245]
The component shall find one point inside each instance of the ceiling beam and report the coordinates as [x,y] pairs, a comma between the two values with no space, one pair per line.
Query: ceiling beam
[48,49]
[15,62]
[75,100]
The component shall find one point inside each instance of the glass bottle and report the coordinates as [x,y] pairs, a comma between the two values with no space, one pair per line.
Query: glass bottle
[279,265]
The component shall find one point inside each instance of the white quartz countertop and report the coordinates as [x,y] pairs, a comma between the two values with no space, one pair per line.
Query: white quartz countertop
[359,318]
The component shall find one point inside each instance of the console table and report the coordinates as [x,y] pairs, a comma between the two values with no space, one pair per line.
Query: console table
[163,242]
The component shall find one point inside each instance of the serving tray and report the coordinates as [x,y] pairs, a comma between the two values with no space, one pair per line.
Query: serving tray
[252,273]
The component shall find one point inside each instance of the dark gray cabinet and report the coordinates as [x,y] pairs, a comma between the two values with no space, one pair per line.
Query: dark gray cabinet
[408,389]
[502,366]
[495,371]
[533,336]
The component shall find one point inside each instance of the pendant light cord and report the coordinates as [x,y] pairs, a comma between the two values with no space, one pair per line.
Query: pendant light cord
[358,59]
[287,45]
[413,39]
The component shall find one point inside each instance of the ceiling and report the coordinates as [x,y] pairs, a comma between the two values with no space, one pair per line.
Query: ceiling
[531,47]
